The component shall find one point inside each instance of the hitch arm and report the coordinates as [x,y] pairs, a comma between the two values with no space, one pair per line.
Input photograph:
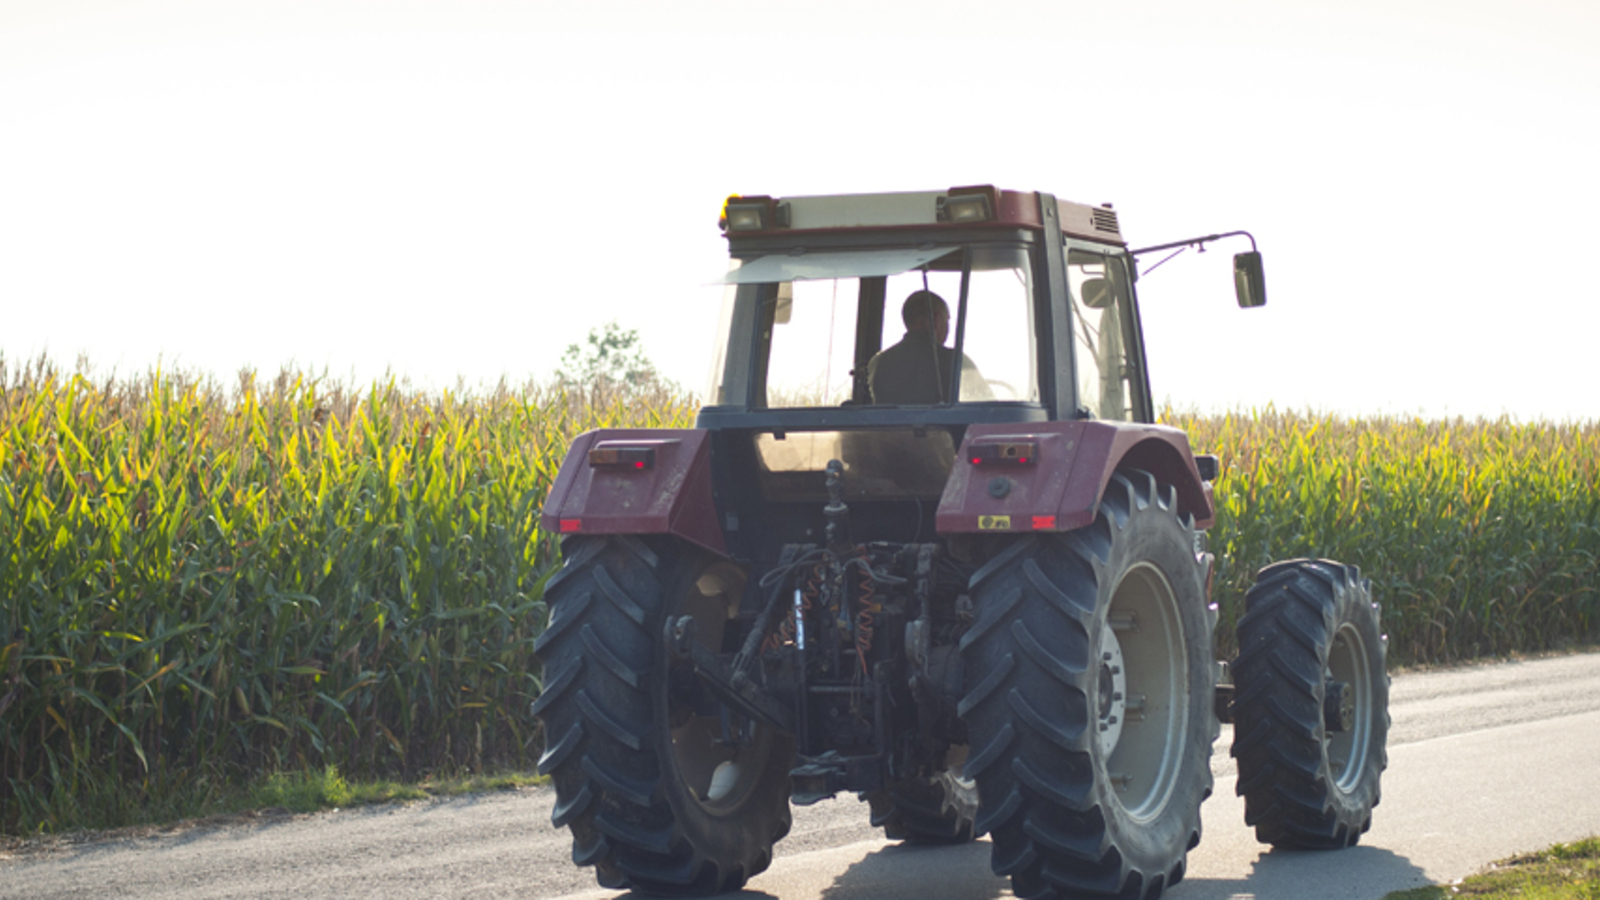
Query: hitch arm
[735,689]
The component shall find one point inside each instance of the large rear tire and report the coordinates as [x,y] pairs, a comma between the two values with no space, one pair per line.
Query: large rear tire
[656,798]
[1311,705]
[1089,695]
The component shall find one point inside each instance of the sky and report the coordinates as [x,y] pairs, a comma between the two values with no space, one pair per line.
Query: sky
[454,191]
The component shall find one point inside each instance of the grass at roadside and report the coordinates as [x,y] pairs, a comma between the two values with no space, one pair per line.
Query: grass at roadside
[298,792]
[1562,872]
[327,789]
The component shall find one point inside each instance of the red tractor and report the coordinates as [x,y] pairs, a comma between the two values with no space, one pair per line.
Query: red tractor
[925,543]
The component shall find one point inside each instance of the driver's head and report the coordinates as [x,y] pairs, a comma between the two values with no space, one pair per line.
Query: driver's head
[925,311]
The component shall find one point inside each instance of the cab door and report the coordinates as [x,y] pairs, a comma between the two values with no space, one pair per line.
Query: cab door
[1106,344]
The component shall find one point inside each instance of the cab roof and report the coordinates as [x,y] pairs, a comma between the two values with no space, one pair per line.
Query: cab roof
[959,207]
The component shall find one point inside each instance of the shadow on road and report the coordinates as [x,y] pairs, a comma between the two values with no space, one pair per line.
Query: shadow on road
[904,872]
[745,894]
[915,872]
[1359,873]
[909,872]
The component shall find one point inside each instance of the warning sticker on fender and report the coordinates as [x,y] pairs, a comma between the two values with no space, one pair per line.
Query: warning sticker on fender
[994,523]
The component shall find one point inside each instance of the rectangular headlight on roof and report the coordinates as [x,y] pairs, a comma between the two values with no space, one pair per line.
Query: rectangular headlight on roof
[745,217]
[967,209]
[965,205]
[753,214]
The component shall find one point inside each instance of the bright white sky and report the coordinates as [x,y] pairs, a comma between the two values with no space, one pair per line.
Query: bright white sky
[458,190]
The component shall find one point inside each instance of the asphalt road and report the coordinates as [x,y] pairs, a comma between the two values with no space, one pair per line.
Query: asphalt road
[1485,762]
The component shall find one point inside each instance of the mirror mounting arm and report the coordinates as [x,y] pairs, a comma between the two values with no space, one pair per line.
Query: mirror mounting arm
[1250,283]
[1199,242]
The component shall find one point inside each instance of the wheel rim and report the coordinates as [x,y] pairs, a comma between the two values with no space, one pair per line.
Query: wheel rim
[717,775]
[1346,751]
[1143,708]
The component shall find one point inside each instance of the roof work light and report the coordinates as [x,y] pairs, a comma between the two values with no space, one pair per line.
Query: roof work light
[964,205]
[750,213]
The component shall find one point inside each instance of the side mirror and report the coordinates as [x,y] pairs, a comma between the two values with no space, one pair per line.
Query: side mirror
[1096,293]
[1249,283]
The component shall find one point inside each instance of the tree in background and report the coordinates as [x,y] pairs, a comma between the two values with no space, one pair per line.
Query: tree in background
[610,361]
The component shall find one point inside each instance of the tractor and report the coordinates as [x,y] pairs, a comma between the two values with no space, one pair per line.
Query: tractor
[926,544]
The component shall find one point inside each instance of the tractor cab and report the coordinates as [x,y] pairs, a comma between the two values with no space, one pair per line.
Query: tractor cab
[876,329]
[820,286]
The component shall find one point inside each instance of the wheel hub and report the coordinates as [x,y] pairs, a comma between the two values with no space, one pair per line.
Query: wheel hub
[1113,692]
[1347,708]
[1338,707]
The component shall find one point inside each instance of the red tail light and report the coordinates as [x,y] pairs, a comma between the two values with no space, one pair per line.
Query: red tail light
[1010,453]
[614,456]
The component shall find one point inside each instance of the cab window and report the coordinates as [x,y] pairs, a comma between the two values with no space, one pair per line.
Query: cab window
[1102,337]
[882,339]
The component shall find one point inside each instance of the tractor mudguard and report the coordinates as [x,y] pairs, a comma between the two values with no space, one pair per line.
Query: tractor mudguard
[636,481]
[1050,476]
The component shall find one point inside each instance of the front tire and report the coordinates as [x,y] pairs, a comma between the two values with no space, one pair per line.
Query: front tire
[1089,693]
[656,799]
[1311,705]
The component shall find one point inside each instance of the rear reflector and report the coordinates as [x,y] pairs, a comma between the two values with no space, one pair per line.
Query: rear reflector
[1044,523]
[571,525]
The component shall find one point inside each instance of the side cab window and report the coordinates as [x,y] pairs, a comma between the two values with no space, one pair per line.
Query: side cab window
[1104,345]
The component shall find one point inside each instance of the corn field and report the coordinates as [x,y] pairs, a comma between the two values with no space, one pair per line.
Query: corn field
[1482,538]
[199,582]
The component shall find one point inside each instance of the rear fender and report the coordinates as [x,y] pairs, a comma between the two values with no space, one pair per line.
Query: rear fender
[995,486]
[641,481]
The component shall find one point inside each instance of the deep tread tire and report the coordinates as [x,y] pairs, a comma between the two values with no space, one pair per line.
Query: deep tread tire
[1038,688]
[937,809]
[636,806]
[1307,622]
